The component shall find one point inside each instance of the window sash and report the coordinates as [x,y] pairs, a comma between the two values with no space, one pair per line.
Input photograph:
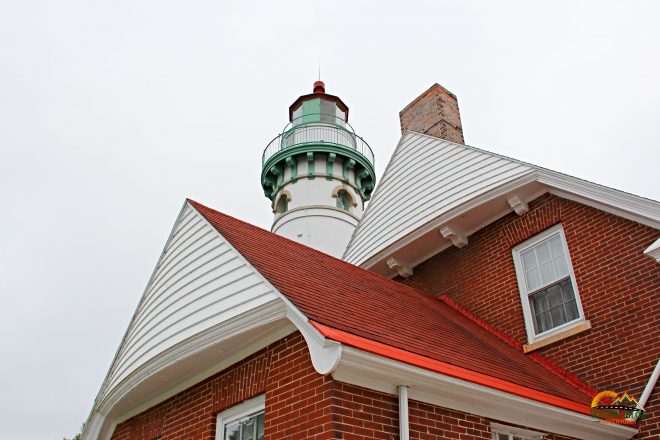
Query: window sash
[544,263]
[503,432]
[244,421]
[246,428]
[554,306]
[547,247]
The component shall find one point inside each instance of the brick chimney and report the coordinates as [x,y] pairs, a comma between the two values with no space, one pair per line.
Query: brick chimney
[434,112]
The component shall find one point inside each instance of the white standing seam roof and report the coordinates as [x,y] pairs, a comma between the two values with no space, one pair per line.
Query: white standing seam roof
[425,178]
[429,177]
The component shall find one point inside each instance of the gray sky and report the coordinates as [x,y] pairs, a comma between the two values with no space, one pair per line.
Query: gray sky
[111,113]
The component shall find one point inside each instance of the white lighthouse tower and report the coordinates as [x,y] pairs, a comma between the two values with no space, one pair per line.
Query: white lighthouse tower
[318,173]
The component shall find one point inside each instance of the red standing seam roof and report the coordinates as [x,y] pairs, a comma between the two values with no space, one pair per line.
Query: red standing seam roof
[354,301]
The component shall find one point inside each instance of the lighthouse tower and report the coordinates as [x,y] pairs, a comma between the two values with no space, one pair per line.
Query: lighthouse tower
[318,174]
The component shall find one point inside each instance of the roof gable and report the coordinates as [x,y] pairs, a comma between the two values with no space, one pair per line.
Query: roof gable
[435,193]
[199,294]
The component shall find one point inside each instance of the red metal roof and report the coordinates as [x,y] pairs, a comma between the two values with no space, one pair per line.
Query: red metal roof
[357,302]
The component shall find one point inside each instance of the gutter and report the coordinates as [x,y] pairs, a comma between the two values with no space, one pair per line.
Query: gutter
[385,369]
[650,385]
[397,354]
[404,427]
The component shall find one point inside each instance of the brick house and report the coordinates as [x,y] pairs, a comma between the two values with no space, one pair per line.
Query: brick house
[478,297]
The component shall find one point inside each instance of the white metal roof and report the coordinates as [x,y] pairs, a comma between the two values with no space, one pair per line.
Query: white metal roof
[430,182]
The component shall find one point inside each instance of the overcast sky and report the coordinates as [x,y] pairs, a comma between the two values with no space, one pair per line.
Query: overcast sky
[111,113]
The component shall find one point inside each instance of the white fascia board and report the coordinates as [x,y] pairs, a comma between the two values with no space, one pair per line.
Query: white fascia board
[622,204]
[653,251]
[367,370]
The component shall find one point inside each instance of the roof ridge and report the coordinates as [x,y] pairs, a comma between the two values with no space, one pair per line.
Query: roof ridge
[538,358]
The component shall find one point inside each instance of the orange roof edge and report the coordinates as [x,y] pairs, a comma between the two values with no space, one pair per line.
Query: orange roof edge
[542,360]
[407,357]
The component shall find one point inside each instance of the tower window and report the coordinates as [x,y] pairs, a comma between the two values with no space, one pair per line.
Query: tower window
[282,204]
[344,200]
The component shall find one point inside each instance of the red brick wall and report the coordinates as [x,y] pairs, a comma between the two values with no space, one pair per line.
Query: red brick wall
[367,414]
[618,285]
[297,399]
[300,404]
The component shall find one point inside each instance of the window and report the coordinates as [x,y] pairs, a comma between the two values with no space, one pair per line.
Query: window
[344,200]
[242,422]
[328,112]
[503,432]
[548,291]
[282,204]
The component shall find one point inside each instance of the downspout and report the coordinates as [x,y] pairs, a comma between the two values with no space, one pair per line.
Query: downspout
[650,385]
[403,413]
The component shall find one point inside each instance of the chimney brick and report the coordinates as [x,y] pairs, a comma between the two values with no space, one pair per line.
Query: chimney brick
[434,112]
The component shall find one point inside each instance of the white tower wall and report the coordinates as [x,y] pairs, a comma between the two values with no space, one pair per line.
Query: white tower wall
[312,217]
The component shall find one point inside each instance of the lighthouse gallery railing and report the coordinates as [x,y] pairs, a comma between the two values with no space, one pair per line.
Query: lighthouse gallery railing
[318,133]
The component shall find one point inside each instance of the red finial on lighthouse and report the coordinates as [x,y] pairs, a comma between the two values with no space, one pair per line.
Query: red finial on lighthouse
[319,87]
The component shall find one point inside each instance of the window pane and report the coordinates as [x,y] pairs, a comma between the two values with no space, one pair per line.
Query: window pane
[571,311]
[342,117]
[297,115]
[543,322]
[554,306]
[540,302]
[567,290]
[328,111]
[260,427]
[543,252]
[556,249]
[529,259]
[560,266]
[248,428]
[558,316]
[547,272]
[232,431]
[533,279]
[554,296]
[549,260]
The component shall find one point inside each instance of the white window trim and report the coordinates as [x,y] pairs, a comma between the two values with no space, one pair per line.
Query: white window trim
[522,285]
[239,411]
[497,428]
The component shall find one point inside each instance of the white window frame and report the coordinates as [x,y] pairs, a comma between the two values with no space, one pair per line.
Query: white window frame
[497,428]
[239,411]
[522,285]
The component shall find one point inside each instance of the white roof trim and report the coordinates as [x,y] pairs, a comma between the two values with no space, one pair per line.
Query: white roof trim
[639,209]
[632,207]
